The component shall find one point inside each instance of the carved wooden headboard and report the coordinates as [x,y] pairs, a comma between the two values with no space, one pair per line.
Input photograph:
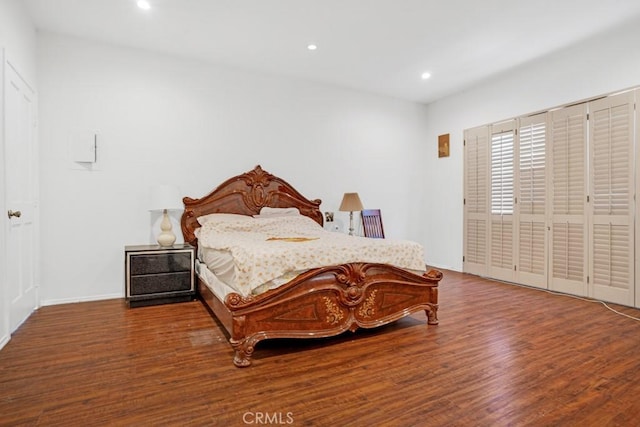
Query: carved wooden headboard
[246,194]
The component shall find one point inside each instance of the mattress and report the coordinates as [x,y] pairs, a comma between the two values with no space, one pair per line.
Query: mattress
[221,289]
[251,255]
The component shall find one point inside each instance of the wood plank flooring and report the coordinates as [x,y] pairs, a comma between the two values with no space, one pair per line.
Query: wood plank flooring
[502,355]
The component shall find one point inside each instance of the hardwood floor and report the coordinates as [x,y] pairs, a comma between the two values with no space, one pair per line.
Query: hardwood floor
[502,355]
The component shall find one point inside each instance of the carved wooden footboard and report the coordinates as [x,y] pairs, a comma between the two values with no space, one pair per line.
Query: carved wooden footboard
[327,301]
[321,302]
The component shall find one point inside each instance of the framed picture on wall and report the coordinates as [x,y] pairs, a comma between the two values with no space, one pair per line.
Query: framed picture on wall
[443,145]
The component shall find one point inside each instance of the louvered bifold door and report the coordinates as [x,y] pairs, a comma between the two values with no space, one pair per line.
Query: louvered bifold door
[476,175]
[611,247]
[568,234]
[531,199]
[637,199]
[501,225]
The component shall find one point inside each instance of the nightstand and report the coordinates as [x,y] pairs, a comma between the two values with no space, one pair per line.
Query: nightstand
[157,275]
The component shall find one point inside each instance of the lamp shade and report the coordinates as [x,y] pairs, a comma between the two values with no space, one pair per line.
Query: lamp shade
[165,197]
[350,203]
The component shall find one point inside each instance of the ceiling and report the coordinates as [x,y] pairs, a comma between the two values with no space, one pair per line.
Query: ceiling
[378,46]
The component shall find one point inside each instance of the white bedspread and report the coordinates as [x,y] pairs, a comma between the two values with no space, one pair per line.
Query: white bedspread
[266,248]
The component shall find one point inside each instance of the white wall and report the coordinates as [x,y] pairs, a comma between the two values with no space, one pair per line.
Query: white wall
[18,44]
[165,119]
[597,66]
[18,37]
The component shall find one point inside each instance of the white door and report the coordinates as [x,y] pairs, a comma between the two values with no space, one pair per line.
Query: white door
[611,137]
[568,264]
[531,207]
[476,165]
[20,179]
[501,254]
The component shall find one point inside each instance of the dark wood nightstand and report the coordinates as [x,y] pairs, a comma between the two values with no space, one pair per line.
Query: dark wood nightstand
[157,275]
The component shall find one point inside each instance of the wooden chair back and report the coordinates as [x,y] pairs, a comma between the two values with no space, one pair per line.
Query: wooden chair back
[372,223]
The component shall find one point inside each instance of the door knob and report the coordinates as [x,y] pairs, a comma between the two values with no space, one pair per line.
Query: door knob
[11,213]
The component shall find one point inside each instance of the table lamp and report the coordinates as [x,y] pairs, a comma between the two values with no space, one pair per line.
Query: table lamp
[165,198]
[350,203]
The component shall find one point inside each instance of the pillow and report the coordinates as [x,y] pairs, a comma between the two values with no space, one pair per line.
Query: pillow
[222,223]
[223,217]
[267,212]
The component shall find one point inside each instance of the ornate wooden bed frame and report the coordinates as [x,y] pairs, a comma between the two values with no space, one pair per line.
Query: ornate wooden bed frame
[321,302]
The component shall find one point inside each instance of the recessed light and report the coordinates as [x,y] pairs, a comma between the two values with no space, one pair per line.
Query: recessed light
[425,75]
[144,5]
[312,47]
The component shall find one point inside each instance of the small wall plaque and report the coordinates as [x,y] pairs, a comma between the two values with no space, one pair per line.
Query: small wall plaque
[443,145]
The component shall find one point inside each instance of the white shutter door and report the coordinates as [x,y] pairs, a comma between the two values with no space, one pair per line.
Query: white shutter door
[531,201]
[611,155]
[568,239]
[501,254]
[475,200]
[637,214]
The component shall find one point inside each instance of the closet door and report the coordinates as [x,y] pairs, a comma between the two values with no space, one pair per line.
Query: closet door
[568,237]
[531,201]
[502,225]
[637,199]
[476,167]
[611,247]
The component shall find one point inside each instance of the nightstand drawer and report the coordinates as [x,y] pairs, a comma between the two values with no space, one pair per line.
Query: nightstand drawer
[160,263]
[161,283]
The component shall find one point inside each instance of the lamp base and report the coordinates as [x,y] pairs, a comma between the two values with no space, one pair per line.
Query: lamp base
[166,238]
[351,224]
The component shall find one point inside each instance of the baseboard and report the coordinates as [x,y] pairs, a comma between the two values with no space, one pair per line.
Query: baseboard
[82,299]
[4,341]
[444,267]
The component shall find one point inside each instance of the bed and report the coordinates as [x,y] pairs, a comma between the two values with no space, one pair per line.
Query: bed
[319,302]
